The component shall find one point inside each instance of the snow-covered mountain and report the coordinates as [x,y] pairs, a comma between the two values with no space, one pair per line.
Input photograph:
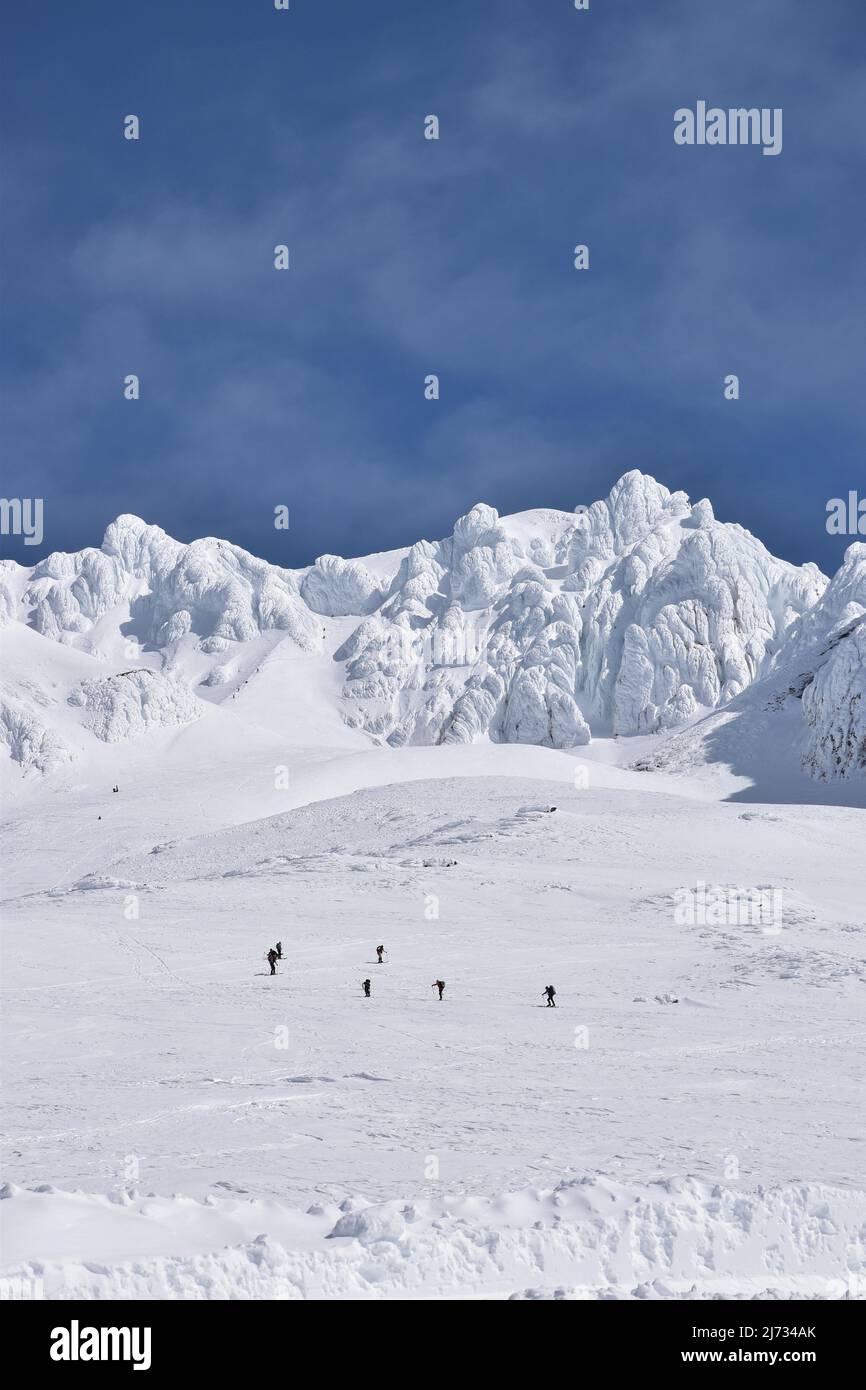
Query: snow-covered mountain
[205,758]
[640,615]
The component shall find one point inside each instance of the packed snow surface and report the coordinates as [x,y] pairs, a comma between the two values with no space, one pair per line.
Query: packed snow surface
[685,1123]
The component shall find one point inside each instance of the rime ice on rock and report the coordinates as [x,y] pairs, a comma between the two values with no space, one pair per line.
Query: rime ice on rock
[129,704]
[830,644]
[634,616]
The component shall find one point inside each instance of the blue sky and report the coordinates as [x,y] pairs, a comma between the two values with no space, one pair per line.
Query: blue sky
[412,257]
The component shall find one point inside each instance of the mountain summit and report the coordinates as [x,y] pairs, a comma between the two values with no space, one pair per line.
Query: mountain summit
[638,615]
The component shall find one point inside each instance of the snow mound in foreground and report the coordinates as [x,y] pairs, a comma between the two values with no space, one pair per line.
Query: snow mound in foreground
[587,1238]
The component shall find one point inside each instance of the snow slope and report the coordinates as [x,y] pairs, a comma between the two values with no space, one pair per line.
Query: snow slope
[652,1148]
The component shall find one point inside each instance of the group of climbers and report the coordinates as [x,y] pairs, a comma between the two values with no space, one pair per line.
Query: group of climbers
[276,953]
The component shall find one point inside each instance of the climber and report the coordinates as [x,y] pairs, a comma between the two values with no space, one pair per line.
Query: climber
[380,951]
[550,992]
[279,950]
[366,984]
[440,985]
[272,960]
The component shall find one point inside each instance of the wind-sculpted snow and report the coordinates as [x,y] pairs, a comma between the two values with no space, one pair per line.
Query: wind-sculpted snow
[807,711]
[636,615]
[336,587]
[834,705]
[840,605]
[593,1237]
[210,588]
[684,617]
[483,560]
[129,704]
[829,642]
[33,746]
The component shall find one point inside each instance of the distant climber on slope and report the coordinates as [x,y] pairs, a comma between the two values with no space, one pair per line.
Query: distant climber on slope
[550,992]
[366,984]
[272,960]
[380,951]
[279,950]
[440,985]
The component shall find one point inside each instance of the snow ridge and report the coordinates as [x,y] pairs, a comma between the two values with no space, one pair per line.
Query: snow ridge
[637,615]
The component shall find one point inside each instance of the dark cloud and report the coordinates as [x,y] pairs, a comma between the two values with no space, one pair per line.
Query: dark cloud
[411,257]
